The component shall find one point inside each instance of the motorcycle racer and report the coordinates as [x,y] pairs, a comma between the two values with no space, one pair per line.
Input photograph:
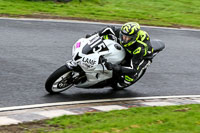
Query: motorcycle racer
[137,44]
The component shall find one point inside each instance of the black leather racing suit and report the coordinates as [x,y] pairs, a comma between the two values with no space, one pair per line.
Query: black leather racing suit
[134,61]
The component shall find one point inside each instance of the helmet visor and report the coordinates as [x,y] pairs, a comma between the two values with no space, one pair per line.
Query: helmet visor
[127,39]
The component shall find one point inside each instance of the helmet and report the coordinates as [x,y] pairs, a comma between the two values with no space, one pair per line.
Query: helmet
[129,33]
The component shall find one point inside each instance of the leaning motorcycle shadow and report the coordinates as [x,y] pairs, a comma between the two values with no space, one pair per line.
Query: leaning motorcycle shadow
[77,94]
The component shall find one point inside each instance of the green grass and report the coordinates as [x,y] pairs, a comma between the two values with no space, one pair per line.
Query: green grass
[169,119]
[149,12]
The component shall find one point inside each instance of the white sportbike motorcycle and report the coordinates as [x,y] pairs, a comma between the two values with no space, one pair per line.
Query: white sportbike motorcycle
[89,56]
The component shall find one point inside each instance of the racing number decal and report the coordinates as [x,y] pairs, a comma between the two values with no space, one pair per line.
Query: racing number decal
[97,45]
[99,48]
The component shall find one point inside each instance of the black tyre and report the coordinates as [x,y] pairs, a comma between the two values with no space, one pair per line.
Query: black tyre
[59,81]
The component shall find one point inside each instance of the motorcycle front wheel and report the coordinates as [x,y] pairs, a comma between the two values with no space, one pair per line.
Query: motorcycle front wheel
[60,80]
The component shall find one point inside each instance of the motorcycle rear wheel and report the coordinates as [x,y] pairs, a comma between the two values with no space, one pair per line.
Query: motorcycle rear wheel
[59,81]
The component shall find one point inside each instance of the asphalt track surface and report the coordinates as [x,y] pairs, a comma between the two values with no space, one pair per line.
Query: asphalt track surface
[31,50]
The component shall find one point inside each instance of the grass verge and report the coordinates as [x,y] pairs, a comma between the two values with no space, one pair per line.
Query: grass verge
[152,12]
[168,119]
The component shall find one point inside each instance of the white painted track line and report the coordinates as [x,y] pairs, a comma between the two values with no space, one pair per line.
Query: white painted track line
[109,107]
[8,118]
[158,103]
[89,22]
[90,101]
[8,121]
[198,101]
[54,113]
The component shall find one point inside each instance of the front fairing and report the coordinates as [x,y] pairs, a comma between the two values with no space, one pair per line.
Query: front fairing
[87,52]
